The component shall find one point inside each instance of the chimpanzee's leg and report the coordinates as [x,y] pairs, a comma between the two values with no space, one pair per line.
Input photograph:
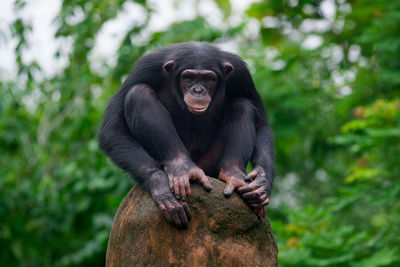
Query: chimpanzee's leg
[239,133]
[151,125]
[234,145]
[233,148]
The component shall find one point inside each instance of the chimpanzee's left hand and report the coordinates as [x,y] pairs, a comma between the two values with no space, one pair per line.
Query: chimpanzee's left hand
[257,193]
[233,177]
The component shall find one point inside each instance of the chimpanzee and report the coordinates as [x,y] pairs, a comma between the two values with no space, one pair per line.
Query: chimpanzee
[187,111]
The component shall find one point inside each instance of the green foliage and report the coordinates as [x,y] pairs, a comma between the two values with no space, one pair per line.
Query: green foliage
[224,6]
[334,109]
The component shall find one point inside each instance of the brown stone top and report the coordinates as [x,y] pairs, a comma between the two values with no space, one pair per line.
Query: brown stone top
[222,232]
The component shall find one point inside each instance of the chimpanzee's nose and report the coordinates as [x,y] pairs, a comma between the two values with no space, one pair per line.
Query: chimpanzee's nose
[198,89]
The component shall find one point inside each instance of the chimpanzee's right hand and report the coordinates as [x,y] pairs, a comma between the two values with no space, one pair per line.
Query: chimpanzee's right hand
[235,178]
[181,172]
[176,212]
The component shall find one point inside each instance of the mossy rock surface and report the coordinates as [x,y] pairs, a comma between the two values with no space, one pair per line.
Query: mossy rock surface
[222,232]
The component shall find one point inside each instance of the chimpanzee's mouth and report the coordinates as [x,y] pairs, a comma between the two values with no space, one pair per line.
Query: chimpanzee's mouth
[198,109]
[197,105]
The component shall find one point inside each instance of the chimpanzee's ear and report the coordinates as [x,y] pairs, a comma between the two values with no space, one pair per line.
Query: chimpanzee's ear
[228,68]
[168,65]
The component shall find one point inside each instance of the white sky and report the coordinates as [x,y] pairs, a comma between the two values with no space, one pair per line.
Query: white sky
[40,13]
[42,45]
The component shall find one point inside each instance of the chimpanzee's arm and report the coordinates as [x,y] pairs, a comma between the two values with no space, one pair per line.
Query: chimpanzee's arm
[150,123]
[117,142]
[240,85]
[263,154]
[257,194]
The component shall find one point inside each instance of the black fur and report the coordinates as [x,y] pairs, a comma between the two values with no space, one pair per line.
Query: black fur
[147,122]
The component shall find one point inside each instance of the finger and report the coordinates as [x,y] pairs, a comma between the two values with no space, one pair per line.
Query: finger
[248,187]
[257,194]
[171,184]
[245,188]
[240,182]
[252,175]
[252,195]
[175,217]
[229,188]
[260,180]
[187,189]
[202,178]
[182,188]
[176,189]
[265,202]
[261,212]
[187,210]
[182,216]
[253,201]
[167,216]
[165,213]
[259,202]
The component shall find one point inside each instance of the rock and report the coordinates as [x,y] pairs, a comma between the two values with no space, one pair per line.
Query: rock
[222,232]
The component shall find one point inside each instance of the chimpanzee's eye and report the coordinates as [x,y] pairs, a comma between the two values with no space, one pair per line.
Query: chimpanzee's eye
[188,77]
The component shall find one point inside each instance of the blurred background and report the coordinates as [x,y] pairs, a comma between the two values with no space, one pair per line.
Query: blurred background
[329,75]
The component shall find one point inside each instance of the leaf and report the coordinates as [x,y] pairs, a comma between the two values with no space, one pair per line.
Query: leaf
[382,257]
[224,6]
[361,175]
[356,125]
[384,133]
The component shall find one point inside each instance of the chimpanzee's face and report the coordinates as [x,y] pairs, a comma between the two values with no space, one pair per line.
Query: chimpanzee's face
[197,87]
